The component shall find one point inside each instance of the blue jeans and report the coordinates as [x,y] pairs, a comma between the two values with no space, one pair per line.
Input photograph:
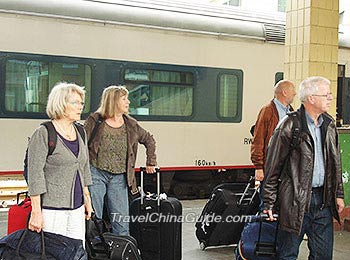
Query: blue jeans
[114,187]
[318,226]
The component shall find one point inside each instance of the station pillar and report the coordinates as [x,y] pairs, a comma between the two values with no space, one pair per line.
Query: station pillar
[311,43]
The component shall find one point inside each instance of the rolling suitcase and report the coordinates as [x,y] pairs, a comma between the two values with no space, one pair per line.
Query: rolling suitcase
[18,215]
[156,225]
[258,240]
[222,219]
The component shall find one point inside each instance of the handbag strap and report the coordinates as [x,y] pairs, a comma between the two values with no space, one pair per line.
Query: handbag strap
[43,251]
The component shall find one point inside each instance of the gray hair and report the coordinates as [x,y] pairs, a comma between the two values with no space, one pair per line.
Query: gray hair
[57,101]
[309,86]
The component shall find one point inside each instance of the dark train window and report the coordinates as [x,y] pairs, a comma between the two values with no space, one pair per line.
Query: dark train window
[28,83]
[228,96]
[278,76]
[159,93]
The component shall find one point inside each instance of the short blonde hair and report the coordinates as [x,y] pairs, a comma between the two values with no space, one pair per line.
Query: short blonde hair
[57,101]
[109,99]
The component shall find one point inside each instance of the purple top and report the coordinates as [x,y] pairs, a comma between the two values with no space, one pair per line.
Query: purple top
[78,190]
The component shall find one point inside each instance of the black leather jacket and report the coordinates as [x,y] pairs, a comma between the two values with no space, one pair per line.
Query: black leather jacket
[288,172]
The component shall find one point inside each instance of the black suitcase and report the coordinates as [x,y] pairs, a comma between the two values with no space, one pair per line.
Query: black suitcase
[222,218]
[156,225]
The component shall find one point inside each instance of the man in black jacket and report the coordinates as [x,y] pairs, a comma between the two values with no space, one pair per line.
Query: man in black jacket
[303,181]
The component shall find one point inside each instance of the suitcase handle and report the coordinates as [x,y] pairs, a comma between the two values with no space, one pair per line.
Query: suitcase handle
[262,248]
[251,183]
[264,216]
[142,170]
[22,193]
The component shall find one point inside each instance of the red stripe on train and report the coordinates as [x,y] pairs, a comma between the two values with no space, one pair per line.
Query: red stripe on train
[165,169]
[201,168]
[11,172]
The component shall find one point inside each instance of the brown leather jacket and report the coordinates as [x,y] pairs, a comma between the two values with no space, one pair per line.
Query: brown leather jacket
[265,125]
[288,174]
[135,135]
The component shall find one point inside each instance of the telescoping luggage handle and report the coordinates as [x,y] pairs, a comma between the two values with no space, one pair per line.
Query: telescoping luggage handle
[25,193]
[266,249]
[245,195]
[142,170]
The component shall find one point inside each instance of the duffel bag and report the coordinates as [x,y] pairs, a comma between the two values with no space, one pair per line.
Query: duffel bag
[26,244]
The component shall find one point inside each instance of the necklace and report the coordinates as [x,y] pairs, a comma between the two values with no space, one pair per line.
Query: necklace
[69,135]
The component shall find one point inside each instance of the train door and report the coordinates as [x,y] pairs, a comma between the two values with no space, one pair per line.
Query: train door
[343,97]
[346,101]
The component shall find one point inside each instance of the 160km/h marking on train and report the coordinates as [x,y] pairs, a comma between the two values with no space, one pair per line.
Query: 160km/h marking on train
[204,163]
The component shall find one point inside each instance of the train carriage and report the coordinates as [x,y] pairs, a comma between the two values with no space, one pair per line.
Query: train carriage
[197,77]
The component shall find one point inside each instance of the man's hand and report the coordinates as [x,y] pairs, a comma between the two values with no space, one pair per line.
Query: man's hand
[270,214]
[340,205]
[259,174]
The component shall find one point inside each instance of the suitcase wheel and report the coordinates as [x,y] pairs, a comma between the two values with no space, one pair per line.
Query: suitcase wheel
[202,245]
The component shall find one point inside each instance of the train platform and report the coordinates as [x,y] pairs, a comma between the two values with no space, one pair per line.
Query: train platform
[190,246]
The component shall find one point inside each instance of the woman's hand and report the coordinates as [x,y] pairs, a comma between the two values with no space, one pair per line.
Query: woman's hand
[36,221]
[150,169]
[87,203]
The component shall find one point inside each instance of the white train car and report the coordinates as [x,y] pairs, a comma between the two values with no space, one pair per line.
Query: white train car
[197,76]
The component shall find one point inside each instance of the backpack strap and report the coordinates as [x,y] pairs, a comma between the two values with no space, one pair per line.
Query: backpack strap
[295,130]
[81,130]
[52,136]
[98,122]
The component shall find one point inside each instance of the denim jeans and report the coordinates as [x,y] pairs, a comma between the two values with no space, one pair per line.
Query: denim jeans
[112,189]
[318,226]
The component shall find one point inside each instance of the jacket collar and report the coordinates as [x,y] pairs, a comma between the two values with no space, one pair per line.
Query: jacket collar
[327,120]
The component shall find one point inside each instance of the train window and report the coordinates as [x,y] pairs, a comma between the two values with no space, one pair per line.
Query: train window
[159,93]
[28,83]
[228,96]
[278,76]
[158,76]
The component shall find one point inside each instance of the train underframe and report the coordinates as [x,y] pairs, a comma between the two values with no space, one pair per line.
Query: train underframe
[194,184]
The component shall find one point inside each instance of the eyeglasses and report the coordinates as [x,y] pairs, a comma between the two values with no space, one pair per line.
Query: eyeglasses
[76,103]
[328,95]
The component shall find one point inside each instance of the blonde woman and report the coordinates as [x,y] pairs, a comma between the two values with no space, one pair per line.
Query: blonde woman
[58,183]
[113,149]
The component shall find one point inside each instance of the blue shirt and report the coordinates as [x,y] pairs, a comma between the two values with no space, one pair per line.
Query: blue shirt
[281,109]
[315,130]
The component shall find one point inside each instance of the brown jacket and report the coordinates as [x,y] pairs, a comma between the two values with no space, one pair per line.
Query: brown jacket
[264,127]
[135,135]
[288,172]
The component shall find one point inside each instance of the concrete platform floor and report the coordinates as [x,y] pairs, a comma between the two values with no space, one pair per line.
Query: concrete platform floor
[190,246]
[191,250]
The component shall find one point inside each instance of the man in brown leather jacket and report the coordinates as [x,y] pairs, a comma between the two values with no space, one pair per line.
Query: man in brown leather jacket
[267,120]
[304,183]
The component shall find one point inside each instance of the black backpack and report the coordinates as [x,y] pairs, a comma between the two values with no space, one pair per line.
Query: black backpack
[52,141]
